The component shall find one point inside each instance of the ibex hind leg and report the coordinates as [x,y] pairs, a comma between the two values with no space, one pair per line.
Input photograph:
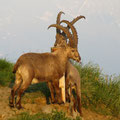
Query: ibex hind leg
[23,87]
[79,102]
[27,79]
[17,84]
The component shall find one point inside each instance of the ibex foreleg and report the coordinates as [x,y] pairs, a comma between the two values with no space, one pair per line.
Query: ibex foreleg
[58,95]
[52,92]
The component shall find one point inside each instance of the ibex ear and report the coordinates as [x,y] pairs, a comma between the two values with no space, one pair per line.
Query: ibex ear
[53,49]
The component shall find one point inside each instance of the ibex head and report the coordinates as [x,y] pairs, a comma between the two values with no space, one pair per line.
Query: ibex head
[72,53]
[61,36]
[73,38]
[71,46]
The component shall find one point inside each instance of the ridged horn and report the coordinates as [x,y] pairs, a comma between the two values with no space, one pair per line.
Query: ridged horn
[58,21]
[58,17]
[75,36]
[72,22]
[58,31]
[77,18]
[66,31]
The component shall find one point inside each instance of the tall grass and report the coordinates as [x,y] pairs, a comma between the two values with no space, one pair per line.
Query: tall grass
[98,92]
[6,75]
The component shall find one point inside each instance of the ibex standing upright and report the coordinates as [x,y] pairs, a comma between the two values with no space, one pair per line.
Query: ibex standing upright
[43,67]
[72,77]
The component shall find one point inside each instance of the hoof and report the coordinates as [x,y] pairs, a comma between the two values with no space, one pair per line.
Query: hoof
[60,102]
[53,101]
[11,105]
[19,107]
[68,99]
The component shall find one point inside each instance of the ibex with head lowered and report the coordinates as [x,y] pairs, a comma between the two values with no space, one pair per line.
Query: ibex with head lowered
[72,77]
[43,67]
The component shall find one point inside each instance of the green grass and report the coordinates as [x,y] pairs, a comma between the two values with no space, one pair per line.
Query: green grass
[99,93]
[54,115]
[6,75]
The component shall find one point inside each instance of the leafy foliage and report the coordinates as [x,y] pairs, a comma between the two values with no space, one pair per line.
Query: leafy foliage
[6,75]
[99,92]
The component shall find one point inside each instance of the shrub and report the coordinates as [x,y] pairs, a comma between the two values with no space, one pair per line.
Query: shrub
[6,75]
[99,93]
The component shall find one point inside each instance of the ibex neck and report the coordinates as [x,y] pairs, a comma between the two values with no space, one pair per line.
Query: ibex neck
[62,56]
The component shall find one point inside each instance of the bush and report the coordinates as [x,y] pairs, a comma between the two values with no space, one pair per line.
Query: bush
[99,93]
[6,75]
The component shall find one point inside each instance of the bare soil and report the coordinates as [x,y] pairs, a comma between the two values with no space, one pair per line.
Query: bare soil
[39,105]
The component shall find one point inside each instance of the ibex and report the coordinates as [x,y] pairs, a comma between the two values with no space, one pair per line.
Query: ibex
[72,77]
[47,67]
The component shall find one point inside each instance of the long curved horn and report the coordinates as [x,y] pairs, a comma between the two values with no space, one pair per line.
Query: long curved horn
[76,19]
[73,21]
[58,21]
[58,31]
[71,41]
[58,17]
[75,36]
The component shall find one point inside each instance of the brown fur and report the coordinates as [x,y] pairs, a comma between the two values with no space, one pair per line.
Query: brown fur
[72,81]
[42,66]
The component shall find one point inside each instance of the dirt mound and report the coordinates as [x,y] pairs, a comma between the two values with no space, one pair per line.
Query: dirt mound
[39,104]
